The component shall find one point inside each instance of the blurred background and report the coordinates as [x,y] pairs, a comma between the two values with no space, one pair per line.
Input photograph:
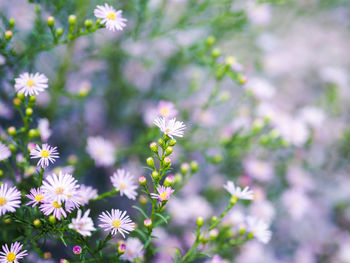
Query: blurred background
[263,87]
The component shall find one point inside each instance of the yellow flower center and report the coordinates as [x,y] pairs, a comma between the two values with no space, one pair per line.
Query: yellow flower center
[122,186]
[167,130]
[30,83]
[164,111]
[45,153]
[11,257]
[116,223]
[39,197]
[111,16]
[2,201]
[163,195]
[59,190]
[56,205]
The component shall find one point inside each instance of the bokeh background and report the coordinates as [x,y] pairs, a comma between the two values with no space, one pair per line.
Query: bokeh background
[294,56]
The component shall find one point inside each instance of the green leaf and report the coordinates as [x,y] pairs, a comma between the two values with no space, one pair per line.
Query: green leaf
[142,234]
[177,254]
[163,218]
[140,210]
[63,241]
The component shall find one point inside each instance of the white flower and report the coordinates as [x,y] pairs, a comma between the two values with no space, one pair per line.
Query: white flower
[134,249]
[86,193]
[171,127]
[44,129]
[49,207]
[259,229]
[124,182]
[110,17]
[10,199]
[60,188]
[236,191]
[101,150]
[13,253]
[4,152]
[83,224]
[46,154]
[116,221]
[31,84]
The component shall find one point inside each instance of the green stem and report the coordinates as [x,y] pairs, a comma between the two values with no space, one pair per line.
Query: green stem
[104,195]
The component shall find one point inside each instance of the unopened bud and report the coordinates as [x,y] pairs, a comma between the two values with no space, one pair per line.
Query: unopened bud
[167,161]
[214,219]
[230,60]
[154,147]
[16,102]
[184,168]
[8,34]
[216,52]
[147,223]
[50,21]
[52,219]
[59,31]
[200,221]
[142,180]
[169,180]
[72,19]
[150,162]
[161,142]
[213,234]
[29,111]
[37,223]
[194,166]
[121,248]
[77,250]
[210,40]
[143,200]
[155,175]
[11,130]
[47,255]
[172,142]
[168,150]
[12,22]
[88,23]
[72,159]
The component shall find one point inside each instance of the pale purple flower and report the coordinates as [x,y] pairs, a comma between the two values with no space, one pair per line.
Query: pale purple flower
[86,193]
[166,109]
[170,127]
[101,150]
[111,18]
[236,191]
[36,196]
[4,152]
[116,221]
[10,199]
[13,253]
[134,249]
[83,224]
[124,182]
[164,193]
[46,154]
[54,208]
[31,84]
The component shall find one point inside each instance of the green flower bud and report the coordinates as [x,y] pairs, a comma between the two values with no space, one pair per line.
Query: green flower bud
[161,142]
[37,223]
[172,142]
[88,23]
[7,220]
[250,236]
[213,234]
[242,79]
[233,200]
[12,22]
[11,130]
[168,150]
[216,52]
[203,239]
[184,168]
[155,175]
[32,99]
[72,159]
[1,172]
[194,166]
[200,221]
[230,61]
[169,180]
[214,219]
[258,124]
[142,180]
[167,161]
[12,147]
[32,133]
[29,111]
[121,248]
[50,21]
[72,19]
[154,147]
[8,34]
[147,223]
[274,134]
[150,162]
[59,31]
[178,178]
[143,200]
[210,40]
[52,219]
[21,96]
[17,102]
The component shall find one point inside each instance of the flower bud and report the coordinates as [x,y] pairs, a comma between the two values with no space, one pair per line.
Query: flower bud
[200,221]
[258,124]
[161,142]
[169,180]
[72,159]
[59,31]
[88,23]
[16,102]
[242,79]
[178,178]
[233,200]
[184,168]
[143,200]
[32,99]
[274,134]
[203,239]
[72,19]
[172,142]
[142,180]
[121,248]
[216,52]
[154,147]
[230,61]
[250,236]
[7,220]
[168,150]
[37,223]
[213,219]
[167,161]
[11,130]
[12,147]
[8,34]
[21,96]
[63,260]
[194,166]
[12,22]
[52,219]
[241,230]
[50,21]
[29,111]
[147,223]
[77,250]
[150,162]
[210,40]
[47,255]
[1,172]
[213,234]
[155,175]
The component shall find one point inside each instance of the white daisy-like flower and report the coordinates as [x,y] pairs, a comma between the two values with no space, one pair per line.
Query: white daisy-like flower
[101,150]
[31,84]
[10,199]
[171,127]
[134,249]
[44,129]
[124,182]
[259,229]
[4,152]
[237,192]
[36,196]
[83,224]
[116,221]
[53,207]
[60,187]
[86,193]
[13,253]
[111,18]
[46,154]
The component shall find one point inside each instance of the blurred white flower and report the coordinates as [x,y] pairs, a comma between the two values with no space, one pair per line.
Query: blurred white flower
[171,127]
[44,129]
[260,170]
[124,182]
[259,229]
[260,88]
[296,202]
[236,191]
[4,152]
[134,249]
[82,224]
[31,84]
[101,150]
